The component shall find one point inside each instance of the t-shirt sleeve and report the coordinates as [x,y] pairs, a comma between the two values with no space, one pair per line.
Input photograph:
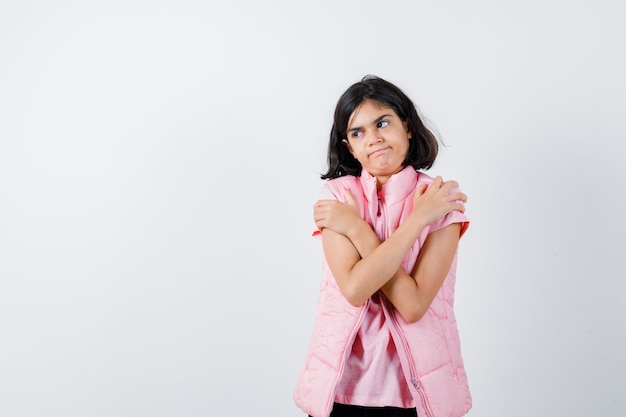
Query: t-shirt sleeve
[324,194]
[450,218]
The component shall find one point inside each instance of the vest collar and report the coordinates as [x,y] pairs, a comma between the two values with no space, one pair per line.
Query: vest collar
[397,187]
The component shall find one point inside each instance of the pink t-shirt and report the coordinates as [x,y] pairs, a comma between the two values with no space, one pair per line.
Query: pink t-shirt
[373,375]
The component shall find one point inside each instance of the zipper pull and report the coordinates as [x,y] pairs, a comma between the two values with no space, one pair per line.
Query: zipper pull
[416,383]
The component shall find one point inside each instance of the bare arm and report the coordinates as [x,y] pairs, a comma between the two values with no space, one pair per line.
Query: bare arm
[362,264]
[412,295]
[359,277]
[401,289]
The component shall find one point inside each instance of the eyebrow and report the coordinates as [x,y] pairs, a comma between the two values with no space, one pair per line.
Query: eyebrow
[378,119]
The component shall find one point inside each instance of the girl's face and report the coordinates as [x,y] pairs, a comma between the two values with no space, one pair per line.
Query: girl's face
[378,139]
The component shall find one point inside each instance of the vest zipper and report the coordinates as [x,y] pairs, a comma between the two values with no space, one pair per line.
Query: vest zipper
[409,359]
[382,218]
[382,211]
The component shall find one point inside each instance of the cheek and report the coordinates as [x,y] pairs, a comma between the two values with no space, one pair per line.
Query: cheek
[407,146]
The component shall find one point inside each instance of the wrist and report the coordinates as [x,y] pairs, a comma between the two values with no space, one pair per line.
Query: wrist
[357,229]
[418,221]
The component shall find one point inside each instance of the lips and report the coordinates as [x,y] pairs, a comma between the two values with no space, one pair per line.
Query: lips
[377,152]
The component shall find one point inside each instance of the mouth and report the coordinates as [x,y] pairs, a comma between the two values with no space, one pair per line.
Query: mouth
[377,152]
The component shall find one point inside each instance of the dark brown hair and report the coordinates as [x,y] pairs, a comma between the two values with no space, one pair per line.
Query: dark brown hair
[423,146]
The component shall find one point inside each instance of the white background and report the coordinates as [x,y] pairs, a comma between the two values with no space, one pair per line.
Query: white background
[159,161]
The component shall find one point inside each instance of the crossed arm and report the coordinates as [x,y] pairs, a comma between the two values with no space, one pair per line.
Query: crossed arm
[362,264]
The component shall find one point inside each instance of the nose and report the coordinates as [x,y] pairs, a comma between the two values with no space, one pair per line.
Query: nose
[373,136]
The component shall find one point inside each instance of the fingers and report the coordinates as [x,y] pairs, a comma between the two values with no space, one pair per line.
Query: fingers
[333,213]
[420,188]
[460,196]
[437,186]
[347,195]
[457,195]
[438,198]
[449,187]
[321,216]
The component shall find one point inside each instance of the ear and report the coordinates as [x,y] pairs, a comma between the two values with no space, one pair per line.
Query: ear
[408,131]
[347,144]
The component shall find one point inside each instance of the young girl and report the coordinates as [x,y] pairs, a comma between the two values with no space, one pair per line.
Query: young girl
[385,340]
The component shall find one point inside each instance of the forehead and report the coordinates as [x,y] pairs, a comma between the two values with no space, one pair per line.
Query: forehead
[368,111]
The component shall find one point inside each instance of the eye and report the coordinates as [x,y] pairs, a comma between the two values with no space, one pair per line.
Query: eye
[382,123]
[356,134]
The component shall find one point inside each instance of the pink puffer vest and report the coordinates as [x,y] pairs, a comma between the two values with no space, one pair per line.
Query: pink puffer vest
[429,350]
